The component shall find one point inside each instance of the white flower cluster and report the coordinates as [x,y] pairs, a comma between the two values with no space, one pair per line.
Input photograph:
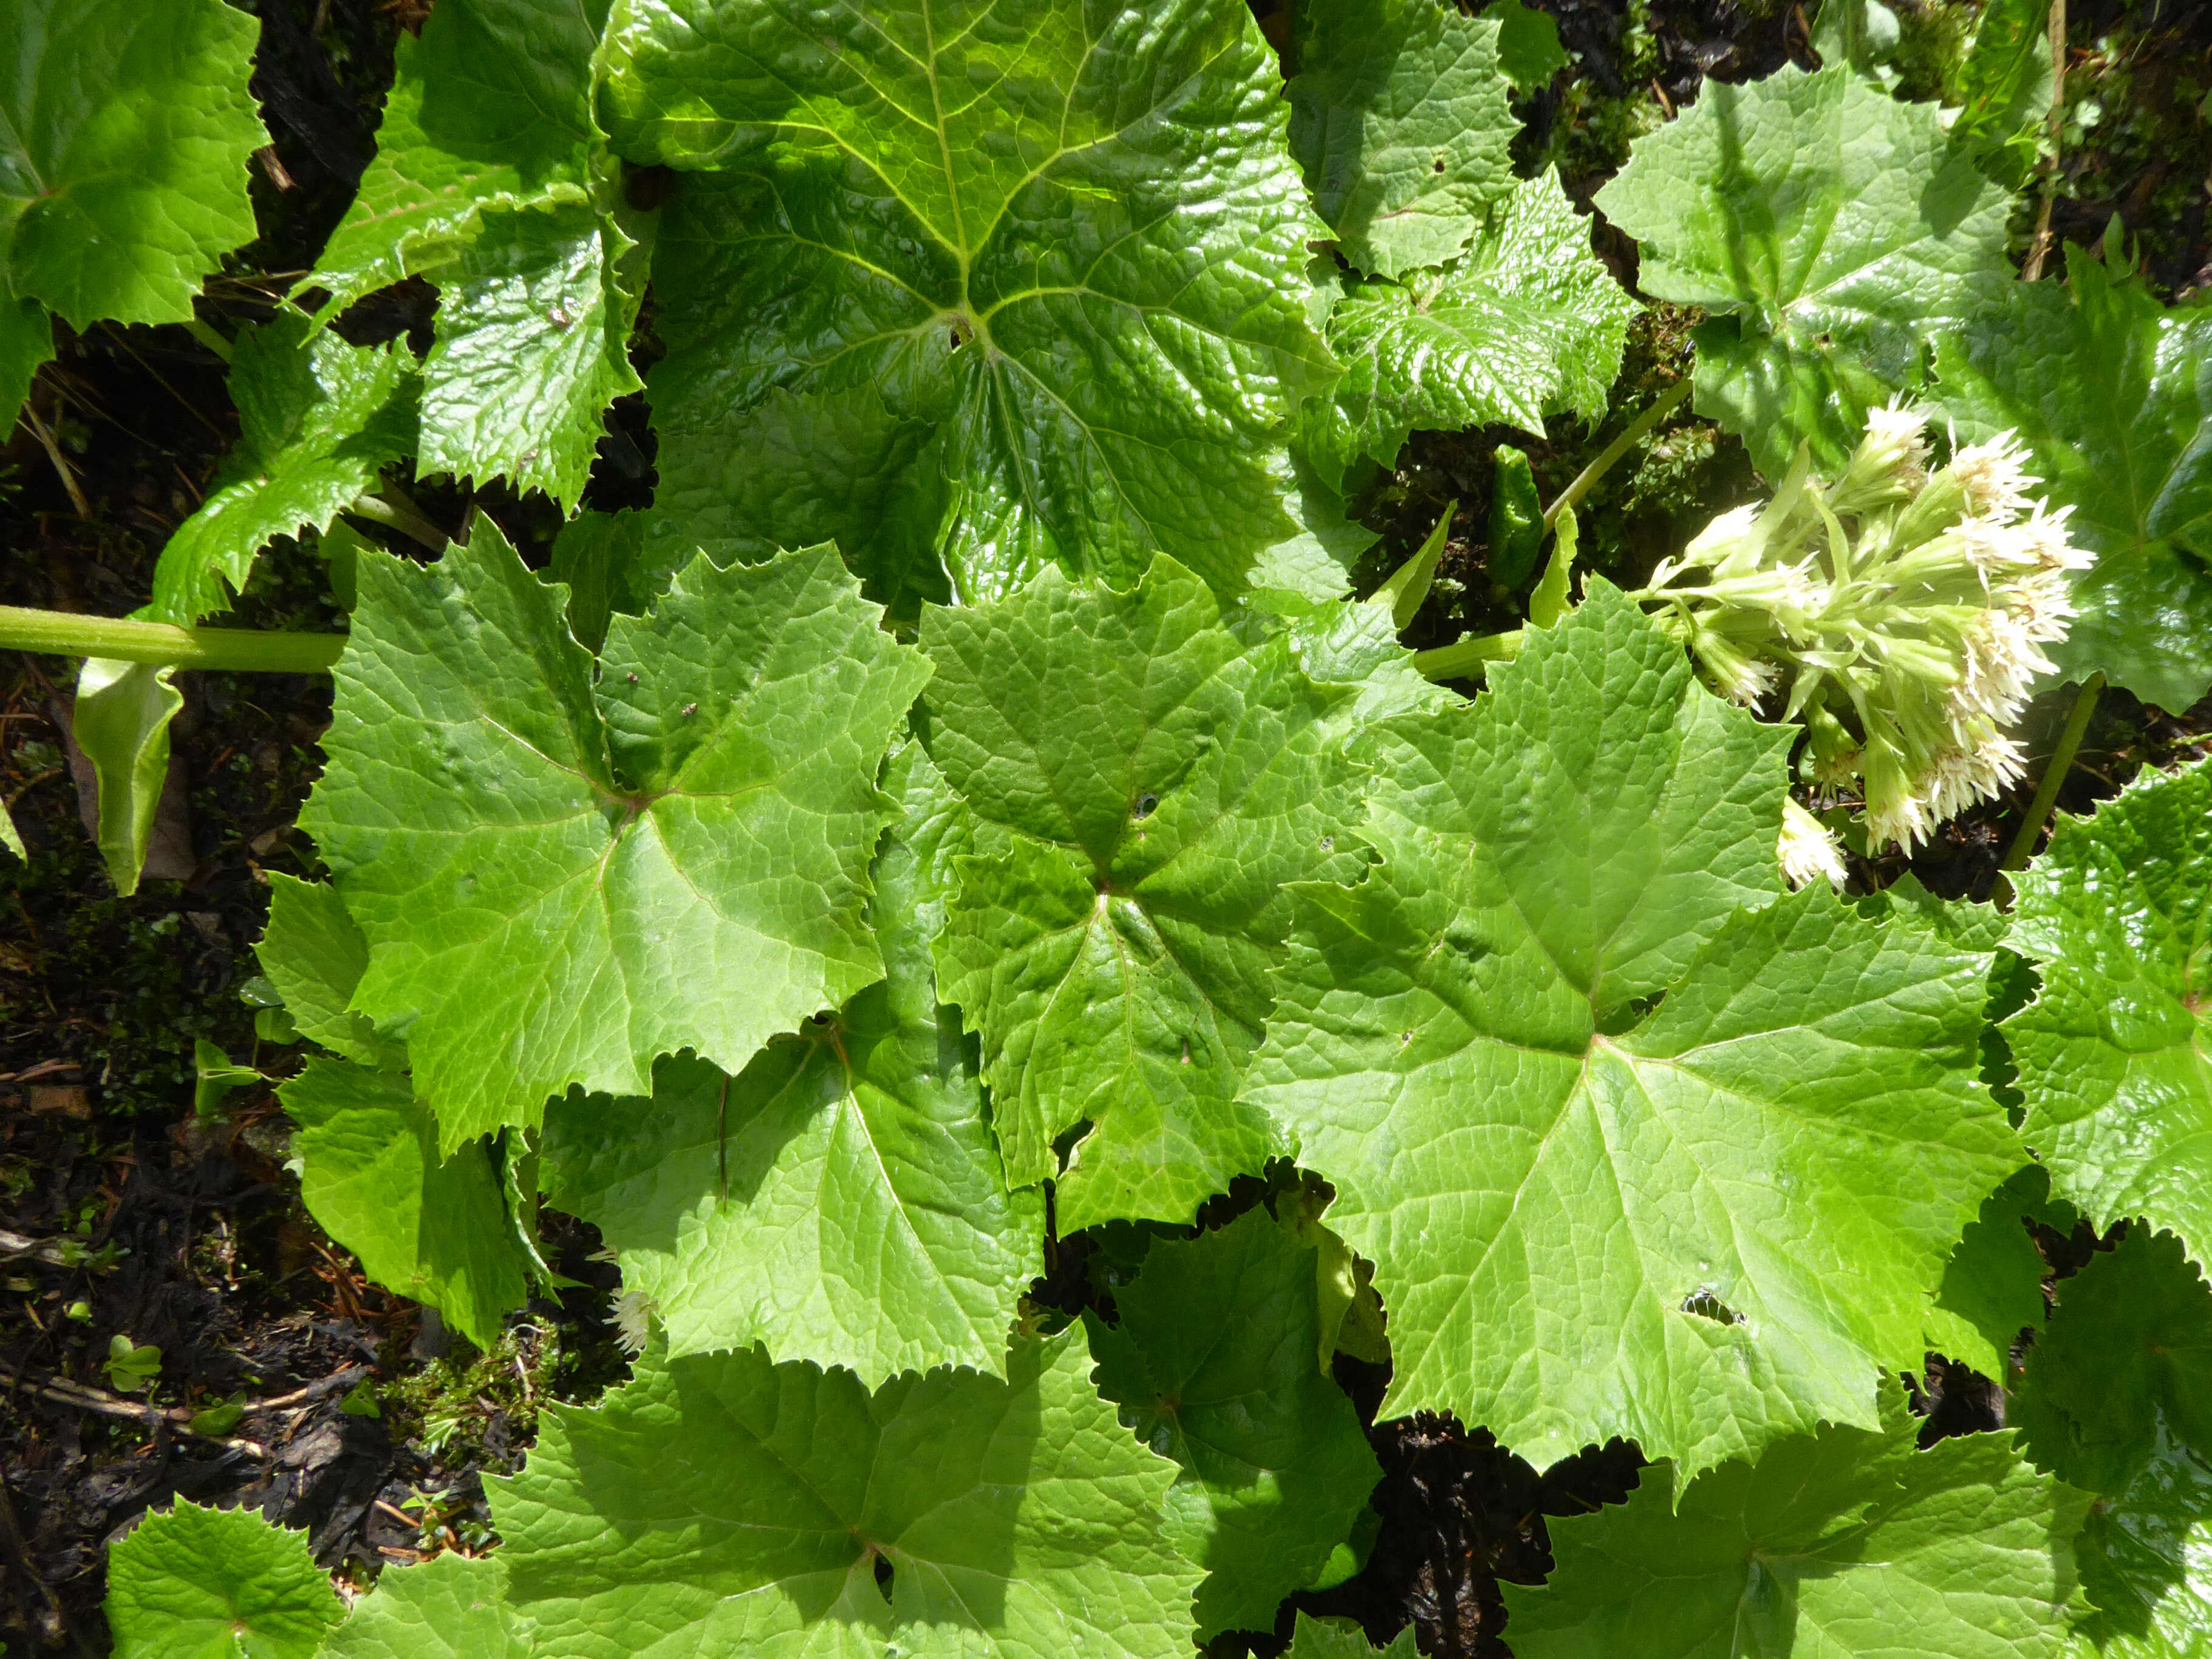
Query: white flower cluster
[1905,614]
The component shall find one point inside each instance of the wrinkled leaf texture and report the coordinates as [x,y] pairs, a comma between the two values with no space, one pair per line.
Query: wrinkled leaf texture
[1590,1219]
[971,289]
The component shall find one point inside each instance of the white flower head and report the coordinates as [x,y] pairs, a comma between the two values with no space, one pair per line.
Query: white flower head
[1903,819]
[1896,441]
[634,1320]
[1994,476]
[1736,674]
[2046,532]
[2003,664]
[1998,548]
[1721,538]
[1808,850]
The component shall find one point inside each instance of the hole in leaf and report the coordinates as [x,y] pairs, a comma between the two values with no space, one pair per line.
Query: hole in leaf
[883,1576]
[1328,843]
[1706,1303]
[1440,164]
[1147,805]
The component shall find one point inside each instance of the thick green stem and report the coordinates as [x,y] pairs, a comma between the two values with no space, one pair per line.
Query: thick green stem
[1464,659]
[1586,480]
[2054,773]
[207,336]
[395,511]
[230,650]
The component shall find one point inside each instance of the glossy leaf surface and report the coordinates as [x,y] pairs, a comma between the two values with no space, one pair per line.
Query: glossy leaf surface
[2111,393]
[720,1504]
[1588,1215]
[841,1201]
[2115,915]
[190,1582]
[1527,323]
[1212,1362]
[124,132]
[1046,259]
[1145,781]
[317,420]
[1846,1545]
[535,858]
[1829,228]
[1401,122]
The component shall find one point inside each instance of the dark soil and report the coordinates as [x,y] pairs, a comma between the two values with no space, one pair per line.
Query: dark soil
[124,1213]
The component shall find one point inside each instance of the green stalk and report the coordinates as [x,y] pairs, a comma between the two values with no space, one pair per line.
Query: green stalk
[1586,480]
[121,638]
[2054,773]
[1464,659]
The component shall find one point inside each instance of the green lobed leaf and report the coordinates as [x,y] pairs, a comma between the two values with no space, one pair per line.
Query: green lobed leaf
[1590,1217]
[451,1607]
[535,859]
[1399,120]
[124,134]
[435,1231]
[1212,1362]
[26,341]
[1145,781]
[317,420]
[533,345]
[1340,1639]
[490,107]
[1529,49]
[2005,88]
[718,1503]
[2115,915]
[841,1201]
[597,558]
[1830,229]
[1840,1543]
[2111,393]
[120,720]
[1528,322]
[189,1583]
[314,954]
[1992,1285]
[2117,1397]
[1055,315]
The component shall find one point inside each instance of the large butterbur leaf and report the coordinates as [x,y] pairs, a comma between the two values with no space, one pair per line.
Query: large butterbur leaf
[841,1200]
[2111,394]
[2117,1398]
[1144,779]
[124,132]
[535,859]
[318,419]
[533,345]
[2111,1052]
[490,107]
[451,1607]
[1213,1363]
[1829,228]
[207,1583]
[1526,323]
[1590,1217]
[1026,280]
[1401,121]
[721,1505]
[314,954]
[440,1230]
[434,1230]
[1845,1545]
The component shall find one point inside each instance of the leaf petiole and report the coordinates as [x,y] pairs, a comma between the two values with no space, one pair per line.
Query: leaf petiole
[2054,773]
[1587,479]
[124,639]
